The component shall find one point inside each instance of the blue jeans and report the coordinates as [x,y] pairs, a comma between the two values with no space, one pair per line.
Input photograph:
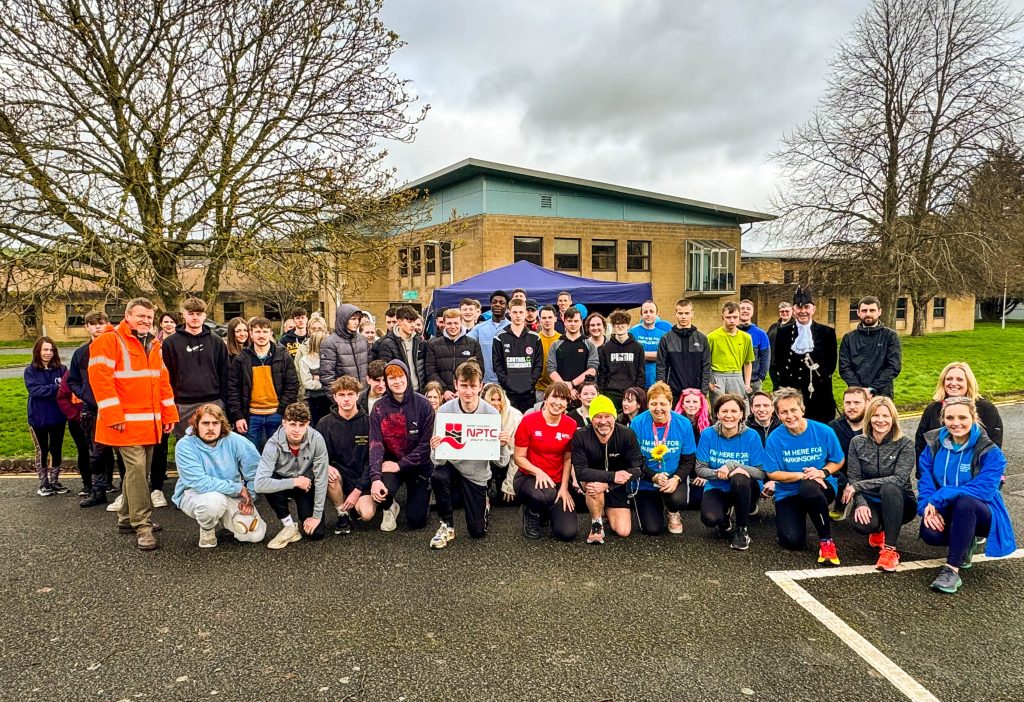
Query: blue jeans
[261,428]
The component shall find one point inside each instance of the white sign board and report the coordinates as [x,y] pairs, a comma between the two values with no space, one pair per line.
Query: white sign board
[468,437]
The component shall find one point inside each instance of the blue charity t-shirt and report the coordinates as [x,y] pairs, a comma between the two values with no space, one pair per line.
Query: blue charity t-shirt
[649,339]
[678,438]
[716,450]
[815,447]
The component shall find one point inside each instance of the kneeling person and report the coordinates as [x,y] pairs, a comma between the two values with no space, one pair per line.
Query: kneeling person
[216,478]
[606,456]
[468,477]
[346,432]
[294,467]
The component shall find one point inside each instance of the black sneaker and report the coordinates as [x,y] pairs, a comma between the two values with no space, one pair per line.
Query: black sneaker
[596,536]
[58,488]
[45,490]
[98,497]
[531,525]
[85,492]
[740,539]
[344,524]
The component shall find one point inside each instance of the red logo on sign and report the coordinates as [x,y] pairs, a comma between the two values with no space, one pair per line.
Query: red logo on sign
[453,436]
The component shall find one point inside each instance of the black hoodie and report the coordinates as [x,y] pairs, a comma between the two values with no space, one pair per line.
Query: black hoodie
[197,365]
[348,447]
[400,431]
[621,365]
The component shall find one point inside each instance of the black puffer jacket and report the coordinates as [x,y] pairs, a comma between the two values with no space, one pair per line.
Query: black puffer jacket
[343,352]
[282,370]
[441,356]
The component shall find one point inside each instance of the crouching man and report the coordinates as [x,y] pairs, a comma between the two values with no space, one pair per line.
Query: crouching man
[294,467]
[216,478]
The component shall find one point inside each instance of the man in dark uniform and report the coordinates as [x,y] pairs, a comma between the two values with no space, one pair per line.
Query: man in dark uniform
[805,357]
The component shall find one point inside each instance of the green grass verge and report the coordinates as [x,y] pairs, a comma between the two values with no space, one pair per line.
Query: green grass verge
[13,360]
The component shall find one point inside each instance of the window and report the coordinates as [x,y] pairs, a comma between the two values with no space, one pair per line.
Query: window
[403,263]
[712,267]
[272,311]
[233,309]
[417,267]
[788,277]
[528,248]
[831,310]
[115,312]
[901,309]
[74,315]
[567,254]
[29,319]
[603,253]
[939,308]
[853,311]
[446,257]
[638,255]
[431,256]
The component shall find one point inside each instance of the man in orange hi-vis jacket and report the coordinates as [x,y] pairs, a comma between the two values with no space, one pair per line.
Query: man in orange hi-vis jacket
[135,407]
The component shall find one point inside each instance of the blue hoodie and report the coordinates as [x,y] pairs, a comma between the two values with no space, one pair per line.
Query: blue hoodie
[218,468]
[649,339]
[42,385]
[946,474]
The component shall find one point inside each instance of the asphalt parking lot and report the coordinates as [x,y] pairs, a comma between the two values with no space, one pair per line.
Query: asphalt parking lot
[374,616]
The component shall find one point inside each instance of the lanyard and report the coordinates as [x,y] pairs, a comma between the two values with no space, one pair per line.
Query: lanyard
[664,436]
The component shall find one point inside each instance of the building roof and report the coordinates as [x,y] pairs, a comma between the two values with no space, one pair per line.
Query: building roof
[793,254]
[471,167]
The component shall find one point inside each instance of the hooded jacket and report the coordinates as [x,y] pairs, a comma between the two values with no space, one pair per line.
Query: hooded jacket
[869,466]
[42,385]
[279,467]
[343,352]
[871,357]
[684,360]
[621,365]
[762,351]
[974,469]
[218,468]
[517,360]
[197,366]
[400,431]
[286,382]
[348,447]
[931,419]
[442,355]
[390,347]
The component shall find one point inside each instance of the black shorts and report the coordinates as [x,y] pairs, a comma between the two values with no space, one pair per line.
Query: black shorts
[617,497]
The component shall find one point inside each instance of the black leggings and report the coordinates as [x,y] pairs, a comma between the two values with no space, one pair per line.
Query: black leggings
[791,515]
[82,447]
[49,443]
[474,498]
[101,458]
[651,506]
[742,493]
[417,494]
[303,499]
[564,524]
[896,509]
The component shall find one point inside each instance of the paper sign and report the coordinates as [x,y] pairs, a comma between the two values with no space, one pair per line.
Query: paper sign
[468,437]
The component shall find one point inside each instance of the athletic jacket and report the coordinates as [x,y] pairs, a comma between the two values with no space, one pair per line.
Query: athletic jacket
[197,366]
[684,360]
[484,332]
[975,469]
[343,352]
[931,419]
[517,360]
[762,351]
[870,466]
[279,467]
[42,385]
[286,381]
[401,431]
[871,357]
[763,432]
[221,467]
[443,355]
[621,365]
[570,357]
[593,461]
[130,382]
[348,447]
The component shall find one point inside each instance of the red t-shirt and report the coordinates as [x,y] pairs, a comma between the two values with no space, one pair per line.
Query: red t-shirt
[545,445]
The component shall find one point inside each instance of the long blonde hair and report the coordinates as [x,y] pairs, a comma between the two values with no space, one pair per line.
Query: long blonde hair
[895,432]
[972,382]
[489,390]
[313,343]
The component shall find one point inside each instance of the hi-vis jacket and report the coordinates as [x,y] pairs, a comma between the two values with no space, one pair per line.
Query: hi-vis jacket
[131,386]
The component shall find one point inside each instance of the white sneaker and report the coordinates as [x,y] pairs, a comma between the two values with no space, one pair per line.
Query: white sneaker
[444,536]
[116,504]
[207,538]
[157,496]
[286,536]
[675,523]
[389,517]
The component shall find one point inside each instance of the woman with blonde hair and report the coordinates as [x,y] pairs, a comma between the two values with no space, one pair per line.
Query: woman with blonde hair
[503,473]
[880,464]
[957,380]
[434,392]
[307,367]
[316,323]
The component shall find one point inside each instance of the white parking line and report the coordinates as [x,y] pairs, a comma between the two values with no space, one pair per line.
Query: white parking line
[900,679]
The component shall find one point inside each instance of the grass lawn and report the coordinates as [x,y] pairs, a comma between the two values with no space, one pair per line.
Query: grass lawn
[15,360]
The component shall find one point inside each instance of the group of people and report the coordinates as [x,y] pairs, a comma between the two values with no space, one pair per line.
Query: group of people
[644,421]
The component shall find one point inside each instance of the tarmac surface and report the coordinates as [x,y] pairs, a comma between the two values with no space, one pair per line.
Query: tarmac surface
[375,616]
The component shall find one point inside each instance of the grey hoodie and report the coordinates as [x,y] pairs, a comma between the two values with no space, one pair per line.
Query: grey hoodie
[476,472]
[279,467]
[343,352]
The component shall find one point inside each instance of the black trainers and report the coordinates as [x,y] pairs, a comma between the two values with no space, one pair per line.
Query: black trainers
[947,581]
[740,539]
[531,524]
[344,524]
[45,490]
[58,488]
[98,497]
[596,536]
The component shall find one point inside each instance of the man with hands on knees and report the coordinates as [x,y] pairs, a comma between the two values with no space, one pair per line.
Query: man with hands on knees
[294,467]
[346,432]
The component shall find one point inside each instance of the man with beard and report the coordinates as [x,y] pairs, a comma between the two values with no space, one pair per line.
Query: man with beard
[855,400]
[870,356]
[805,357]
[485,331]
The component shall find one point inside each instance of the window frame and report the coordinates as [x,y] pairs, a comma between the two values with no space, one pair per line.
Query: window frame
[644,257]
[430,259]
[833,305]
[901,309]
[530,257]
[75,312]
[705,269]
[241,305]
[610,259]
[578,255]
[936,307]
[854,308]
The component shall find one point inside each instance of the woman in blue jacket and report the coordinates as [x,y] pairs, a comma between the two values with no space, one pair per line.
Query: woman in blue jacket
[958,492]
[46,421]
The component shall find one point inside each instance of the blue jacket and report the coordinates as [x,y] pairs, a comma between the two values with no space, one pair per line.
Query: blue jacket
[218,468]
[484,333]
[762,351]
[974,469]
[42,385]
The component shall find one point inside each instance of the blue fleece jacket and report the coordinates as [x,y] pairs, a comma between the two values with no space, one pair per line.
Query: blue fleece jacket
[42,385]
[946,475]
[218,468]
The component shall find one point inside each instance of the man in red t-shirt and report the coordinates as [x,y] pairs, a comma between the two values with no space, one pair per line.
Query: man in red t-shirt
[543,456]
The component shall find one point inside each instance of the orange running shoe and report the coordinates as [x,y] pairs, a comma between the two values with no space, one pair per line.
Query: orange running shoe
[888,559]
[876,540]
[827,552]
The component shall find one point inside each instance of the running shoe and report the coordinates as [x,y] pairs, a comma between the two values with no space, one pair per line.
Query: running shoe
[969,557]
[45,490]
[344,524]
[596,535]
[947,581]
[207,538]
[389,517]
[444,535]
[531,524]
[158,499]
[876,540]
[827,552]
[740,539]
[888,559]
[838,515]
[287,535]
[58,488]
[675,523]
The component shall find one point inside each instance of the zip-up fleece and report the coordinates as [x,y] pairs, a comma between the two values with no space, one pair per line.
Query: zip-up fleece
[871,357]
[517,360]
[400,431]
[42,385]
[348,447]
[621,365]
[870,466]
[197,366]
[279,467]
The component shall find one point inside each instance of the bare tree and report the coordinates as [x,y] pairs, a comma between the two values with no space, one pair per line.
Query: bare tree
[136,136]
[917,95]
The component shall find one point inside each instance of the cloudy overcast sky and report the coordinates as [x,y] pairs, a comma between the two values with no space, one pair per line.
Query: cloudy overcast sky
[681,97]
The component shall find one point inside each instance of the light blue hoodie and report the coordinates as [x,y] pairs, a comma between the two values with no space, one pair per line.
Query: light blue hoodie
[217,468]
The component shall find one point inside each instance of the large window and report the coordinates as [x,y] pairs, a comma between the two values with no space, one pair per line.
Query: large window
[74,315]
[431,257]
[417,266]
[403,262]
[528,248]
[853,311]
[901,309]
[603,255]
[446,257]
[29,318]
[115,312]
[567,254]
[939,308]
[638,256]
[712,267]
[788,276]
[272,311]
[831,310]
[233,309]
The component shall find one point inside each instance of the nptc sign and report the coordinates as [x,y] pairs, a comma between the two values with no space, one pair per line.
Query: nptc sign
[468,437]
